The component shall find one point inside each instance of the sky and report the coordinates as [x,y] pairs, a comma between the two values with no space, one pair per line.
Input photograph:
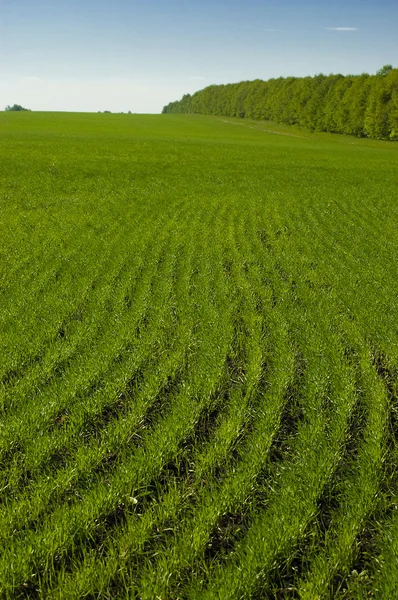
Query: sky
[129,55]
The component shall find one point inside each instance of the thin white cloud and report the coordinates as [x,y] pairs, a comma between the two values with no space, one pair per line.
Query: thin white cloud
[342,28]
[268,30]
[197,78]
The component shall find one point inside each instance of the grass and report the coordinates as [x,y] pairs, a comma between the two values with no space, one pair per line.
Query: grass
[199,358]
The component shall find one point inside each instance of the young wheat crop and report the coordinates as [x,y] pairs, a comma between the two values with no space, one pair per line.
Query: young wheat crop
[199,365]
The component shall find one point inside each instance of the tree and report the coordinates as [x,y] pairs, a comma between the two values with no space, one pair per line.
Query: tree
[363,105]
[384,70]
[15,107]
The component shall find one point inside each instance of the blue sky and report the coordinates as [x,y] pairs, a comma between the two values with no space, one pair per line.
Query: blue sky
[127,55]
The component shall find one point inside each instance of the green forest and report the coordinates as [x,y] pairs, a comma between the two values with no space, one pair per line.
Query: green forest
[361,105]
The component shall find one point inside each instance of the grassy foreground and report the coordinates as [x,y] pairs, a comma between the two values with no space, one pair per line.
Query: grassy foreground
[199,360]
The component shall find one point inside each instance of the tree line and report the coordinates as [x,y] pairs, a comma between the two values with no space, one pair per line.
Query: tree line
[361,105]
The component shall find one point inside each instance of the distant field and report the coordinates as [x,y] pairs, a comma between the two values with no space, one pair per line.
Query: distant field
[199,360]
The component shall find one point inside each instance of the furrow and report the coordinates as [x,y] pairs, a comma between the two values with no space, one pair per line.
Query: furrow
[292,506]
[111,435]
[161,443]
[77,382]
[356,494]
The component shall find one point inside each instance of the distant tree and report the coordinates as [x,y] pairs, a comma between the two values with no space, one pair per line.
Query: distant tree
[15,107]
[384,70]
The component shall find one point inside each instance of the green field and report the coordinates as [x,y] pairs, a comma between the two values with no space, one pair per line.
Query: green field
[199,360]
